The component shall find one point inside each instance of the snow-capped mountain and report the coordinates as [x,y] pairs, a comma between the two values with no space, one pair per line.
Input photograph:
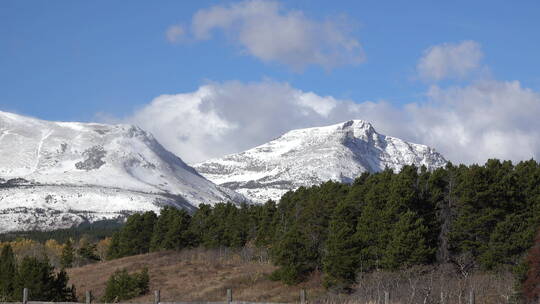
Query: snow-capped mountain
[311,156]
[57,174]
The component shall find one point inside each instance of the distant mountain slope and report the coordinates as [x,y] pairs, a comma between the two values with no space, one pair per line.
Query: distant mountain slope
[56,174]
[311,156]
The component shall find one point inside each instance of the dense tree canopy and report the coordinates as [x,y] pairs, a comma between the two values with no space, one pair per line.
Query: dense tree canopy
[8,271]
[124,286]
[384,220]
[43,281]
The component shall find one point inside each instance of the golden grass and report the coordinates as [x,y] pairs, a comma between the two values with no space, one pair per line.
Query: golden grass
[196,275]
[199,275]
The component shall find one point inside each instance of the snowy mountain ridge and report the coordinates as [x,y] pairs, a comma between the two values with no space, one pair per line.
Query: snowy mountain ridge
[306,157]
[57,174]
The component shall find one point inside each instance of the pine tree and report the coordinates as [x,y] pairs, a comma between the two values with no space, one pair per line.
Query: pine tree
[295,255]
[510,238]
[408,245]
[383,220]
[441,198]
[342,255]
[239,226]
[376,221]
[404,192]
[160,229]
[135,237]
[200,223]
[481,202]
[38,276]
[67,257]
[87,251]
[113,252]
[146,230]
[123,286]
[143,280]
[266,225]
[63,293]
[176,237]
[8,272]
[223,225]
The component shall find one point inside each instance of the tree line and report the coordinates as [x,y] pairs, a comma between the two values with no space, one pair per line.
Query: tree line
[474,217]
[41,278]
[90,231]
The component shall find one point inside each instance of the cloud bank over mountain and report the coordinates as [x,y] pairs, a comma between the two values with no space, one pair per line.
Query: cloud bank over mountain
[468,124]
[222,118]
[464,113]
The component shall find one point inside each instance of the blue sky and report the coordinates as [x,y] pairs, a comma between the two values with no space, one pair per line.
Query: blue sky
[73,60]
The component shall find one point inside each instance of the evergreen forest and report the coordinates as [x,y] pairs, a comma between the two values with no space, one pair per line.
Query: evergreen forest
[474,218]
[478,217]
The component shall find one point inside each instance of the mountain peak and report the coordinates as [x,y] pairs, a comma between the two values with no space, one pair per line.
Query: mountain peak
[310,156]
[356,124]
[357,127]
[76,172]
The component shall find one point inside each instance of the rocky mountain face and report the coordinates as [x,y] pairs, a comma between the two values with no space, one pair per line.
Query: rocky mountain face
[311,156]
[57,174]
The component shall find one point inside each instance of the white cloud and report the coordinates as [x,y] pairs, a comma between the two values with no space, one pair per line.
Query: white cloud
[467,124]
[266,31]
[174,33]
[488,119]
[449,60]
[222,118]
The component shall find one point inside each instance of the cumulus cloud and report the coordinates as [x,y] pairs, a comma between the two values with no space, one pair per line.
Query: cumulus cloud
[467,124]
[450,60]
[488,119]
[174,33]
[265,30]
[222,118]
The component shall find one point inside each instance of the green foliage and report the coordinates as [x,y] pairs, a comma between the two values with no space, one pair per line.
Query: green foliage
[124,286]
[265,228]
[171,230]
[374,226]
[67,257]
[134,238]
[383,221]
[62,291]
[408,244]
[489,213]
[296,256]
[341,261]
[223,225]
[92,231]
[39,277]
[87,251]
[35,274]
[114,250]
[8,271]
[496,218]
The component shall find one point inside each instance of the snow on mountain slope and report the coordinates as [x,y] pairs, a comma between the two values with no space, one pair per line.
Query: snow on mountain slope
[56,174]
[311,156]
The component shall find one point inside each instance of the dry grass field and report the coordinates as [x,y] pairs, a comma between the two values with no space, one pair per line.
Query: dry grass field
[197,275]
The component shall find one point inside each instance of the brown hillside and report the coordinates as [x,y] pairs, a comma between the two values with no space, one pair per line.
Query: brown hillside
[196,275]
